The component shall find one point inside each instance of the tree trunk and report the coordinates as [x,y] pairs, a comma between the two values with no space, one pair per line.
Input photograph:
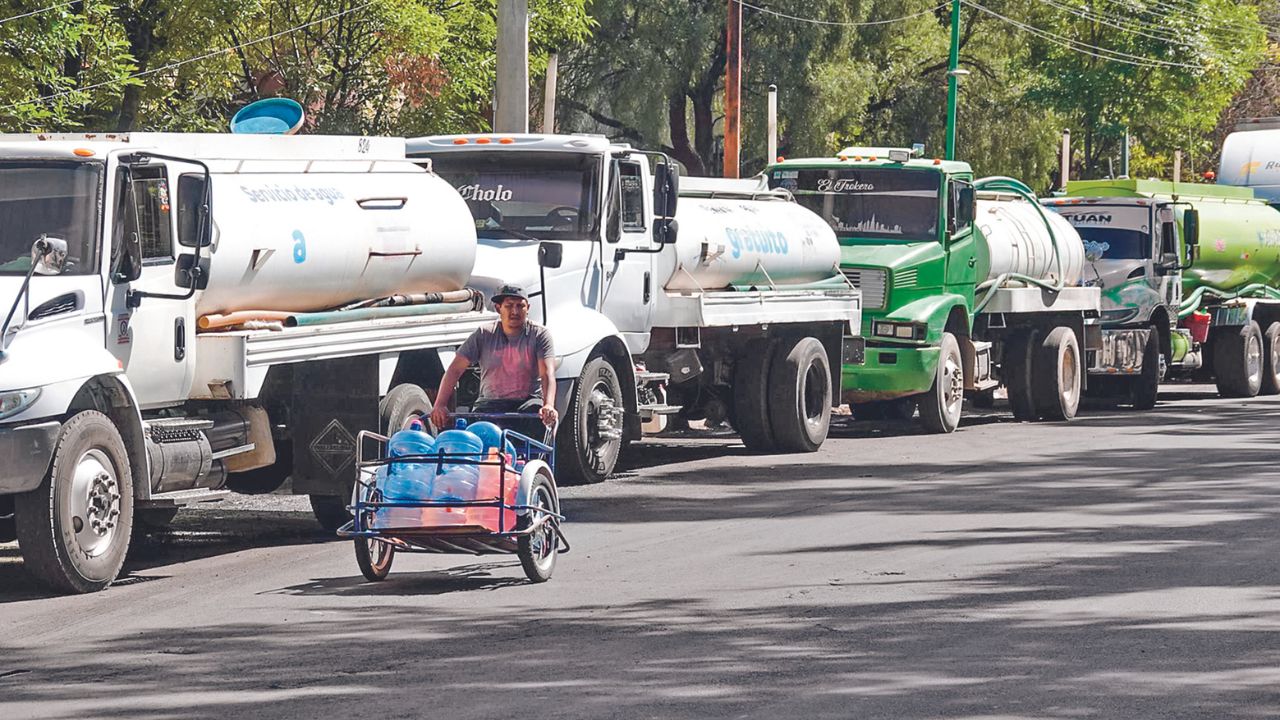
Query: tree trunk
[677,107]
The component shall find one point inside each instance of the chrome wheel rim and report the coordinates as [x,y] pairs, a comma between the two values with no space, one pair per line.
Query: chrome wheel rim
[93,507]
[952,386]
[1253,359]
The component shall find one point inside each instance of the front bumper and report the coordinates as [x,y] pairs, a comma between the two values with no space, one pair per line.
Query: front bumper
[25,452]
[890,371]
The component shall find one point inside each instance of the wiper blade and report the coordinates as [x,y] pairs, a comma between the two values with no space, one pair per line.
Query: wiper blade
[498,228]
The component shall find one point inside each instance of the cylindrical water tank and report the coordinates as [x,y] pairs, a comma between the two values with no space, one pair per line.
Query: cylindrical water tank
[317,240]
[747,239]
[1018,240]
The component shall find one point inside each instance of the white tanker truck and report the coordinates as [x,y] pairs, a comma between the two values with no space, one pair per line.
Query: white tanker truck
[184,314]
[725,305]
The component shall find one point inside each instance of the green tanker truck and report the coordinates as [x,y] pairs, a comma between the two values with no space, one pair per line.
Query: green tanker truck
[1190,277]
[966,284]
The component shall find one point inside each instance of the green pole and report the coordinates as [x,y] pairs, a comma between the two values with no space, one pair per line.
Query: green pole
[953,79]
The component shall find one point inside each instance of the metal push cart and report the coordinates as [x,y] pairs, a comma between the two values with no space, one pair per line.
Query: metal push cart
[522,519]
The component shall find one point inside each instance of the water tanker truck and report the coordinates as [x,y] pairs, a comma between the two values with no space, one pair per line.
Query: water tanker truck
[1251,158]
[1191,281]
[664,295]
[965,284]
[190,314]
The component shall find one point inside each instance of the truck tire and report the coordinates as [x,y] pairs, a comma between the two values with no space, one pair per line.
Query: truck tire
[940,407]
[1144,389]
[1237,361]
[74,528]
[400,403]
[799,395]
[1016,371]
[1270,360]
[751,396]
[1056,385]
[583,456]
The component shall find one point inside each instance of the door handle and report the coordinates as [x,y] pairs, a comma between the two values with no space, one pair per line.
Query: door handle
[647,291]
[179,339]
[973,261]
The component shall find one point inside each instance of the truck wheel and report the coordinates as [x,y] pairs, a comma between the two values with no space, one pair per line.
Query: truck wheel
[799,395]
[1056,385]
[940,407]
[1237,361]
[1145,388]
[1271,360]
[74,529]
[402,402]
[1016,371]
[751,396]
[590,436]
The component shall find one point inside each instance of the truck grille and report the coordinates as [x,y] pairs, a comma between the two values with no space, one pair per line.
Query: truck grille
[871,283]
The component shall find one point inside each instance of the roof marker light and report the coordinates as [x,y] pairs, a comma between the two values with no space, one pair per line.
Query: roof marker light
[873,158]
[843,157]
[937,161]
[460,141]
[507,141]
[781,159]
[84,152]
[483,141]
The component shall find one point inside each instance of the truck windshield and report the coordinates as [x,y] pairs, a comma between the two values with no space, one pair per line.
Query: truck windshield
[895,204]
[59,199]
[1111,232]
[548,196]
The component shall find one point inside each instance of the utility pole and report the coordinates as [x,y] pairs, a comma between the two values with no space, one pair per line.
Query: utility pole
[511,104]
[549,94]
[733,89]
[953,79]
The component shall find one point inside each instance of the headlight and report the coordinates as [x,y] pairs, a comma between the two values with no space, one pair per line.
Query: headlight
[898,331]
[12,403]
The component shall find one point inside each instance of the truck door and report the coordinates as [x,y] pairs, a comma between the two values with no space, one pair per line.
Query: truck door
[1166,257]
[154,339]
[628,287]
[962,260]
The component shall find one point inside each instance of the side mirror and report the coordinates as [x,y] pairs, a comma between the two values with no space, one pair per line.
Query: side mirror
[550,254]
[1191,227]
[191,272]
[48,255]
[665,232]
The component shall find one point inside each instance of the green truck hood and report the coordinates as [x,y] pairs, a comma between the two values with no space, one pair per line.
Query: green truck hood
[895,256]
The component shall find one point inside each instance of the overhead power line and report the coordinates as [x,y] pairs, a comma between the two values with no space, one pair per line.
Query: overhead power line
[1083,47]
[36,12]
[816,21]
[1129,25]
[180,63]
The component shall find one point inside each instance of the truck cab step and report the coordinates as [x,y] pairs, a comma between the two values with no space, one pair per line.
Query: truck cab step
[645,376]
[661,409]
[180,498]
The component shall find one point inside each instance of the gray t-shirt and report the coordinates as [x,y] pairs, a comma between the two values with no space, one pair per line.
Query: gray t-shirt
[508,365]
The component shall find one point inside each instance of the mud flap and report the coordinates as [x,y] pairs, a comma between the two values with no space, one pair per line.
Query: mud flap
[332,401]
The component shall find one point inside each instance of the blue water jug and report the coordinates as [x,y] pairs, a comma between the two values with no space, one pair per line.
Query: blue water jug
[458,473]
[409,480]
[491,436]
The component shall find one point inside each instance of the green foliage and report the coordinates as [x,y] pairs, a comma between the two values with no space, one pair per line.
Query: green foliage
[357,66]
[1184,69]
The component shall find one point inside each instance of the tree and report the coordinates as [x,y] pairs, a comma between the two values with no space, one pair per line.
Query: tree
[1165,75]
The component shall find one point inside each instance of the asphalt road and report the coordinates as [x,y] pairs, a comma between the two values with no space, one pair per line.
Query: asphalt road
[1119,566]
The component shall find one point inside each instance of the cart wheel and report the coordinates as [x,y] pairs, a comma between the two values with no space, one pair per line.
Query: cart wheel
[374,558]
[538,551]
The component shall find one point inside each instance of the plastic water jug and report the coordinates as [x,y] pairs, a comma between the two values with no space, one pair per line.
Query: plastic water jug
[491,482]
[409,480]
